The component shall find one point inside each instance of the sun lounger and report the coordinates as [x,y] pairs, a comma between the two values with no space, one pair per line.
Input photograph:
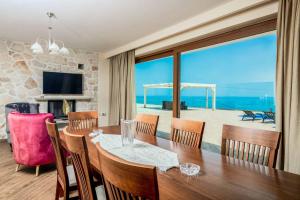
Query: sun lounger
[168,105]
[249,114]
[268,115]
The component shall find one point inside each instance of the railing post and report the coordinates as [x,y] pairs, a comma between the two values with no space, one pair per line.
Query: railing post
[213,98]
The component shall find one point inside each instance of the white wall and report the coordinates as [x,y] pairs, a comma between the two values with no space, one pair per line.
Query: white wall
[103,91]
[225,17]
[228,23]
[229,16]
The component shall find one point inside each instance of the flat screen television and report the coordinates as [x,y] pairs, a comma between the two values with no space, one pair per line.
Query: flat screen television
[62,83]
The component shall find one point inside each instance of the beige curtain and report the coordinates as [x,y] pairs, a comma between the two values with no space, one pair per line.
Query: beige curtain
[288,84]
[122,87]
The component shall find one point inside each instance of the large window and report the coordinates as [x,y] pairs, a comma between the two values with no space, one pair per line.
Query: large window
[222,84]
[154,93]
[223,79]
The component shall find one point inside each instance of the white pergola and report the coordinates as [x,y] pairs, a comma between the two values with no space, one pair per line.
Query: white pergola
[211,87]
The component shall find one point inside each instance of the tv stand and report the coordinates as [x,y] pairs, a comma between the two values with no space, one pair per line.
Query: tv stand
[62,97]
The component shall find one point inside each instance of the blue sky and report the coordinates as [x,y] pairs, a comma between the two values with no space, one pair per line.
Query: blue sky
[239,68]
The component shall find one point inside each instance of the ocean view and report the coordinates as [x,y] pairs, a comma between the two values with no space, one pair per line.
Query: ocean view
[243,72]
[224,103]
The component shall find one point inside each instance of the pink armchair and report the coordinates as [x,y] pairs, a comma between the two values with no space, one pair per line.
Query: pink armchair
[30,140]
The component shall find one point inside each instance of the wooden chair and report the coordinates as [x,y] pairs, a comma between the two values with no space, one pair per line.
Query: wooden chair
[187,132]
[83,120]
[66,181]
[126,180]
[77,146]
[146,124]
[252,145]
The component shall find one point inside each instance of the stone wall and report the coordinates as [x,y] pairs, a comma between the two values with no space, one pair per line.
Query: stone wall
[21,75]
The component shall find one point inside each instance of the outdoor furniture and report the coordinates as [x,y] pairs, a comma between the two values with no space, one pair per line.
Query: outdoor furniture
[146,123]
[30,140]
[168,105]
[249,114]
[211,87]
[21,108]
[237,142]
[268,115]
[187,132]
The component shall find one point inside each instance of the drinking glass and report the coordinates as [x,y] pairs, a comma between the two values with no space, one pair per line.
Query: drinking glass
[127,132]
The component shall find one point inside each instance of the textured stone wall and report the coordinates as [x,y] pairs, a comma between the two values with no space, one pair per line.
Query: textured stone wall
[21,75]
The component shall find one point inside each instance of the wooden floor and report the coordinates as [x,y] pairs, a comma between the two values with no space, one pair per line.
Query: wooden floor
[24,184]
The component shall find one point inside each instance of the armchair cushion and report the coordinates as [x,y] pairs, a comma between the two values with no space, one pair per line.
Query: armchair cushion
[20,107]
[30,140]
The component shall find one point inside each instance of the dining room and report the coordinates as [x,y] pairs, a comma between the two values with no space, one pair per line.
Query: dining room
[131,99]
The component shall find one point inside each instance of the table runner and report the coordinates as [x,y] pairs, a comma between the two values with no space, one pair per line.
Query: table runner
[140,152]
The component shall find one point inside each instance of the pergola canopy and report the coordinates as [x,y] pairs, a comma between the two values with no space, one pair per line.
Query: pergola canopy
[212,87]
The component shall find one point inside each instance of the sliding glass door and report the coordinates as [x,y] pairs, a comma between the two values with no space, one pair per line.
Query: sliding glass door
[230,83]
[154,90]
[224,79]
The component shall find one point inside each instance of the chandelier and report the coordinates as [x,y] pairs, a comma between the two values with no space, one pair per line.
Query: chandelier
[51,43]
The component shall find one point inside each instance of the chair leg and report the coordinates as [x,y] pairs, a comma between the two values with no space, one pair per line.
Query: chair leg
[57,191]
[37,169]
[66,194]
[18,167]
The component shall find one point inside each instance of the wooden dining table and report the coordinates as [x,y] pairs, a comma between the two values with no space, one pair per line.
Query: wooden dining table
[220,177]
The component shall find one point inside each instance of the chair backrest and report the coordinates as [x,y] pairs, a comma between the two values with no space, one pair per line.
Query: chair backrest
[59,153]
[31,143]
[32,108]
[76,145]
[248,112]
[252,145]
[83,120]
[127,180]
[270,114]
[146,123]
[187,132]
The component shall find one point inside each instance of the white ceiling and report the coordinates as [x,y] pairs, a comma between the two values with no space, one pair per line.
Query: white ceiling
[100,25]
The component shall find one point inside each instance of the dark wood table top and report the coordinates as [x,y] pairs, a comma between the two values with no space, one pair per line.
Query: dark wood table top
[220,178]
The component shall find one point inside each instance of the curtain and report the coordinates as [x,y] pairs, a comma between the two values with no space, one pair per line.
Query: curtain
[122,87]
[288,85]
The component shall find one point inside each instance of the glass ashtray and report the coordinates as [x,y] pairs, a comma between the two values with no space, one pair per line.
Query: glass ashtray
[189,169]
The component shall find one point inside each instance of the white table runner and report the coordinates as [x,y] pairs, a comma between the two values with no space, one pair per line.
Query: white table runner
[139,152]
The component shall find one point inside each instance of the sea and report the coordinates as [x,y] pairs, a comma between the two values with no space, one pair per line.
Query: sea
[222,102]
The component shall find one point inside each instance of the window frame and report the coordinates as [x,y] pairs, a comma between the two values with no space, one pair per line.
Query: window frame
[245,31]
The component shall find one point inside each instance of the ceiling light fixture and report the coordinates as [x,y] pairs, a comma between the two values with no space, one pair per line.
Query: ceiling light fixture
[53,48]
